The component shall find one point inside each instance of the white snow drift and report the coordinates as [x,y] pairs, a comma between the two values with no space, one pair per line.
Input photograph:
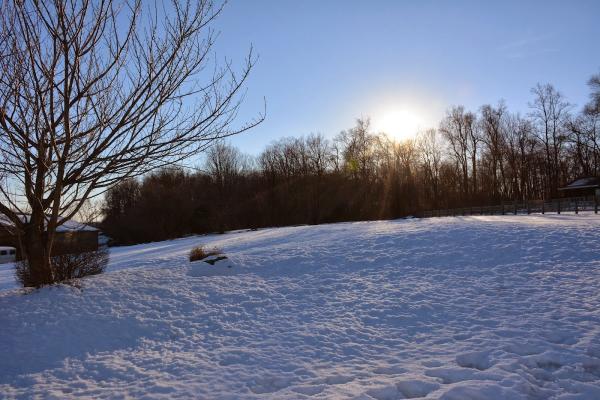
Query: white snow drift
[453,308]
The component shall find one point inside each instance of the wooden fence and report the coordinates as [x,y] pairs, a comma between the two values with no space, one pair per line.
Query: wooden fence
[567,204]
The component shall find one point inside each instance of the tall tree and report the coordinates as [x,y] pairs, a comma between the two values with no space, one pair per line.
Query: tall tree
[550,111]
[358,154]
[454,128]
[593,107]
[431,154]
[494,136]
[94,92]
[474,139]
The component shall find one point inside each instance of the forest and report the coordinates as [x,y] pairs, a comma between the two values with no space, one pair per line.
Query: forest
[474,157]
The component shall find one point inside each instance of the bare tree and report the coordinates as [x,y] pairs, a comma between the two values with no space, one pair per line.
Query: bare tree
[584,133]
[593,107]
[520,147]
[94,92]
[474,136]
[454,129]
[430,150]
[550,111]
[492,123]
[358,149]
[320,155]
[224,163]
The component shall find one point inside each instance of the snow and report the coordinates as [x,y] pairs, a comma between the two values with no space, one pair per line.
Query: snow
[490,307]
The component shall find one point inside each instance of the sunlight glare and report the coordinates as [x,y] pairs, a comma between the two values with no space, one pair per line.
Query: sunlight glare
[399,123]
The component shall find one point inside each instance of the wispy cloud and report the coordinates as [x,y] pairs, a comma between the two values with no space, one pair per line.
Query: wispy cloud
[531,46]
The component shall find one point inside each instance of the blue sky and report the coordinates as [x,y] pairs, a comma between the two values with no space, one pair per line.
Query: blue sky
[324,63]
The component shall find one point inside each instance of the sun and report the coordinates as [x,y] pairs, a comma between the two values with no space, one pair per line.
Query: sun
[399,123]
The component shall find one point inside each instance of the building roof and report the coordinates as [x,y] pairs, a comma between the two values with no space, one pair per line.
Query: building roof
[583,183]
[68,226]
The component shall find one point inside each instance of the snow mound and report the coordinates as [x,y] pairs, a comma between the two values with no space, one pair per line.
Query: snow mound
[218,265]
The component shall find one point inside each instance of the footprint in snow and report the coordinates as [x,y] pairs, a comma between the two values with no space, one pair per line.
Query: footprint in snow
[268,385]
[432,363]
[384,393]
[524,349]
[338,379]
[412,389]
[478,360]
[462,336]
[389,370]
[309,390]
[452,375]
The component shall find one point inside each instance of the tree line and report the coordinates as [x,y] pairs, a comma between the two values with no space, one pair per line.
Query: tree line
[474,157]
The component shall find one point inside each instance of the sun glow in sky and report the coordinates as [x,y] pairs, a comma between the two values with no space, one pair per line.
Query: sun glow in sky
[400,122]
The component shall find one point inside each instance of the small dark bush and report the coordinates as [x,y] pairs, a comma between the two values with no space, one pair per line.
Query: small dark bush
[200,253]
[68,266]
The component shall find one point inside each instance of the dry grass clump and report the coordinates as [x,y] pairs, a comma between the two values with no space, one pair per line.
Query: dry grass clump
[200,252]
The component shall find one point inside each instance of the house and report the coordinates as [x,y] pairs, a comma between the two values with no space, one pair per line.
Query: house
[7,254]
[580,187]
[71,237]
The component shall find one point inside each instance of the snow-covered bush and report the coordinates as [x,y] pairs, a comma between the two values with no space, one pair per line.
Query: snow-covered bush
[68,266]
[200,253]
[210,262]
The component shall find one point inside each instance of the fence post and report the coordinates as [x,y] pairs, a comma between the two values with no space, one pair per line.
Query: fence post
[595,204]
[527,205]
[576,207]
[515,204]
[558,206]
[502,208]
[543,206]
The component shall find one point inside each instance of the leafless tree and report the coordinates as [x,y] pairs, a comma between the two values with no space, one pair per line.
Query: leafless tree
[550,111]
[493,121]
[320,155]
[224,163]
[593,107]
[474,139]
[358,152]
[584,133]
[454,129]
[521,145]
[431,152]
[94,92]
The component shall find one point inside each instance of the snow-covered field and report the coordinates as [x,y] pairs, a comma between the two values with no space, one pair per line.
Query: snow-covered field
[453,308]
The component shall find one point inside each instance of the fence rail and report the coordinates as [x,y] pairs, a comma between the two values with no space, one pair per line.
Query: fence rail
[567,204]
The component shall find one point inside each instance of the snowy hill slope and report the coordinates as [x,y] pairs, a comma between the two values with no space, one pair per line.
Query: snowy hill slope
[453,308]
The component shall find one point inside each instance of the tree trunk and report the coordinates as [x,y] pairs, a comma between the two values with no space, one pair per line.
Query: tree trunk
[38,258]
[474,185]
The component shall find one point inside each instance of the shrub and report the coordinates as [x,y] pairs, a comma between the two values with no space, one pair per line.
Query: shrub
[200,253]
[68,266]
